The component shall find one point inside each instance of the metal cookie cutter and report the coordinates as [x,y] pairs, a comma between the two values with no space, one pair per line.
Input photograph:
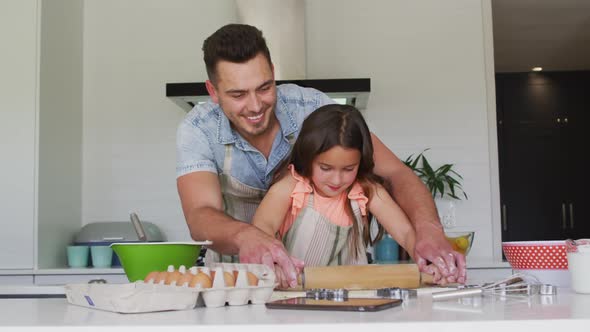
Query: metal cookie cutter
[547,289]
[338,295]
[397,293]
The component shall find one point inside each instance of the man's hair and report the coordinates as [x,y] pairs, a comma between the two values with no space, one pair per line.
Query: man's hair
[236,43]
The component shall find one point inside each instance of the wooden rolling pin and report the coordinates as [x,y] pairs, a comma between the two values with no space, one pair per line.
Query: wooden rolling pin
[355,277]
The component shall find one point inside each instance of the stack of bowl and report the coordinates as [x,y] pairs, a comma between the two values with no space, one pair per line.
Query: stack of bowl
[544,260]
[140,258]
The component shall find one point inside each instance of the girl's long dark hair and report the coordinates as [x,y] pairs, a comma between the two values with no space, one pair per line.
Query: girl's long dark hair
[337,125]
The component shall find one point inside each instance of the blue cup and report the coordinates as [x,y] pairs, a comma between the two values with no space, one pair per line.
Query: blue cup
[77,256]
[102,256]
[386,250]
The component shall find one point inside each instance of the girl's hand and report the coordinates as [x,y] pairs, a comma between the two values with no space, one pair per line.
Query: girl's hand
[438,277]
[433,248]
[281,279]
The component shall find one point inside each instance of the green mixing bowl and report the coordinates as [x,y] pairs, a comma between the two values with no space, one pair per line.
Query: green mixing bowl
[140,258]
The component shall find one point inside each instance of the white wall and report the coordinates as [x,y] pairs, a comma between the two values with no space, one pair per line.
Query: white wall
[132,49]
[425,59]
[18,108]
[428,85]
[284,34]
[60,130]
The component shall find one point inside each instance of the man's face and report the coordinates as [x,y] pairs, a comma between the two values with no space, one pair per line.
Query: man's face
[247,94]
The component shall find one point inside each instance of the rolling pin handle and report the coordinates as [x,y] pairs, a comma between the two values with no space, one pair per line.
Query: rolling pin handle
[301,280]
[426,279]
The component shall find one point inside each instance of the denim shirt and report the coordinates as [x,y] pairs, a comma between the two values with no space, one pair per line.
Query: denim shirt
[204,132]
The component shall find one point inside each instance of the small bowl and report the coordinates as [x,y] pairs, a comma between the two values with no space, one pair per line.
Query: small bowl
[140,258]
[460,241]
[545,260]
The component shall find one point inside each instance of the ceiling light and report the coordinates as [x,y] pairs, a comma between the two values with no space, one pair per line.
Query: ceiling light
[537,69]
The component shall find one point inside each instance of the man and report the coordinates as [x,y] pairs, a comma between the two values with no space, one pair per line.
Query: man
[228,150]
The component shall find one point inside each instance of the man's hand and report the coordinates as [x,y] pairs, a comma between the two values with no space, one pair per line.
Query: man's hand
[437,277]
[414,198]
[432,246]
[257,247]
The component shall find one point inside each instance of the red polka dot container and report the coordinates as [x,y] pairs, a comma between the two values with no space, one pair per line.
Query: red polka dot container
[546,260]
[534,255]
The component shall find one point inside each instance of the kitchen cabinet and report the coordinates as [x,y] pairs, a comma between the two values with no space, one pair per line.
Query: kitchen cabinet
[18,84]
[542,129]
[577,133]
[40,132]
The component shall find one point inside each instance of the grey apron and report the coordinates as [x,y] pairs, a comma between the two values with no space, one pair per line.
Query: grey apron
[240,200]
[319,242]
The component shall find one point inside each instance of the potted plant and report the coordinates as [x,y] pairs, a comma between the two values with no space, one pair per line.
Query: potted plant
[443,181]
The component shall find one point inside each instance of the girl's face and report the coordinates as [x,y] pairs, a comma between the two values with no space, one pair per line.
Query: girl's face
[335,170]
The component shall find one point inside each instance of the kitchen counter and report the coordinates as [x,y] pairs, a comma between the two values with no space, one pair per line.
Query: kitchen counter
[566,310]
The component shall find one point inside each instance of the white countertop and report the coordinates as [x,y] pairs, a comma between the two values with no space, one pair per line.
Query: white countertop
[566,310]
[85,270]
[63,270]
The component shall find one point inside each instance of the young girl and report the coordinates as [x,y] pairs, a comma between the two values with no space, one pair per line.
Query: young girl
[323,196]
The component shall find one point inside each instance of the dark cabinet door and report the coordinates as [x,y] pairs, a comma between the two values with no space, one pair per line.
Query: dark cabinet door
[531,156]
[577,165]
[542,142]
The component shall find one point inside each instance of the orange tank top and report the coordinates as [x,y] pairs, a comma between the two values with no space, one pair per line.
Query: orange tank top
[332,208]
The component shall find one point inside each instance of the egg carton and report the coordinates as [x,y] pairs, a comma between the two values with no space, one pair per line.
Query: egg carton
[136,297]
[241,293]
[142,296]
[220,293]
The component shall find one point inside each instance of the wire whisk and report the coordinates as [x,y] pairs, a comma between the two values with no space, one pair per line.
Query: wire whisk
[516,285]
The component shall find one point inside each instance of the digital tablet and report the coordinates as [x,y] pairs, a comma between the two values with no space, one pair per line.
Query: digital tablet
[351,304]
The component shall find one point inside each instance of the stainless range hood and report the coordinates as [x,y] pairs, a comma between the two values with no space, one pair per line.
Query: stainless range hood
[283,25]
[351,91]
